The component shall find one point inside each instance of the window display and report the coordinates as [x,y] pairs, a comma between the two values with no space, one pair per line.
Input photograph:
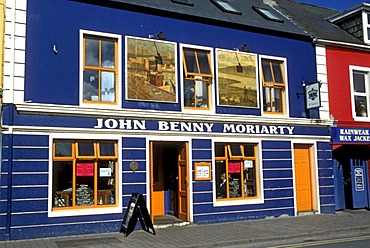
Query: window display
[235,168]
[84,173]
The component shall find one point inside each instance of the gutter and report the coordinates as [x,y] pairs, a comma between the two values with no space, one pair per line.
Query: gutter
[365,48]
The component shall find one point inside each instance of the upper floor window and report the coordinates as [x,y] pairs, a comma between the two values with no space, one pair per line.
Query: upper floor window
[100,65]
[360,92]
[273,85]
[366,26]
[197,78]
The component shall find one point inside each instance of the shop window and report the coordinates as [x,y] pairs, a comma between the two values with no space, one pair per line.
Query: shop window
[236,173]
[197,78]
[273,86]
[99,69]
[360,92]
[84,174]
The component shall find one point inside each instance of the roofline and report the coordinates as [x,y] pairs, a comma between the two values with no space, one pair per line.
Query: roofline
[199,19]
[349,12]
[344,44]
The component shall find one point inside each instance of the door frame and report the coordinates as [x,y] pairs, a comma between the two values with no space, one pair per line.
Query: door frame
[312,148]
[169,139]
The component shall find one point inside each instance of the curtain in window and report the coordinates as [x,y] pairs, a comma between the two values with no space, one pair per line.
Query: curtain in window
[107,87]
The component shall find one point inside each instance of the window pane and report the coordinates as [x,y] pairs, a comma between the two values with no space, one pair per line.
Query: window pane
[106,182]
[189,93]
[368,18]
[201,93]
[203,62]
[221,179]
[85,190]
[63,149]
[62,184]
[107,149]
[107,54]
[361,106]
[277,104]
[91,82]
[86,149]
[248,150]
[108,87]
[359,82]
[250,181]
[267,99]
[92,52]
[191,63]
[278,75]
[219,150]
[266,70]
[234,179]
[235,150]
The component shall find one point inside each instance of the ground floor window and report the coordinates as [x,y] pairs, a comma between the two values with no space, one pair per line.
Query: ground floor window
[84,173]
[236,171]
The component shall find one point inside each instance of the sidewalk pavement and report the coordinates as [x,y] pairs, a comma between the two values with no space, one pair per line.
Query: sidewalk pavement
[248,233]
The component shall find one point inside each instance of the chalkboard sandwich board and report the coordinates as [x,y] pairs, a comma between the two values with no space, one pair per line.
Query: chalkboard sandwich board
[136,209]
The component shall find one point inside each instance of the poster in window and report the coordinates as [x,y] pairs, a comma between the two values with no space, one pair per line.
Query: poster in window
[84,169]
[234,167]
[151,70]
[237,79]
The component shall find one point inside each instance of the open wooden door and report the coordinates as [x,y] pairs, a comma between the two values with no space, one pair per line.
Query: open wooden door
[183,184]
[303,181]
[156,183]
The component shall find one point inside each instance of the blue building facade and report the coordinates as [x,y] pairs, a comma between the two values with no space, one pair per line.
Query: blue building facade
[200,109]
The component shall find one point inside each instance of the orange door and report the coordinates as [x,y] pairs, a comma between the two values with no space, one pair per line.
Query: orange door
[303,183]
[157,182]
[183,184]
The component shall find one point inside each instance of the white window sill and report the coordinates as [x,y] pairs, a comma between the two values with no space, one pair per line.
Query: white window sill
[237,202]
[85,211]
[364,119]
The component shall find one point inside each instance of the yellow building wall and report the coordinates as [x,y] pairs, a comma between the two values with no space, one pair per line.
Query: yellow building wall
[2,34]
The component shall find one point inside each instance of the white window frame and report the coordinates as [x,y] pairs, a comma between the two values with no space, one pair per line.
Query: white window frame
[366,71]
[211,109]
[259,174]
[286,93]
[118,103]
[365,26]
[85,211]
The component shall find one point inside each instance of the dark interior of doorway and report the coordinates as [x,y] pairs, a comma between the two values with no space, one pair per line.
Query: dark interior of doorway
[344,154]
[167,154]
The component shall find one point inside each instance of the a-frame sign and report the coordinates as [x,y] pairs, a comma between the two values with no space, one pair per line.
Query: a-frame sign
[136,209]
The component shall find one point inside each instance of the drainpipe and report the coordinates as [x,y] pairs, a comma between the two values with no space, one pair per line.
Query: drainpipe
[8,220]
[2,37]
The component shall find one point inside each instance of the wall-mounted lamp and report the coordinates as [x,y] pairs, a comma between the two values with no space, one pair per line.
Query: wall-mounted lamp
[161,36]
[245,48]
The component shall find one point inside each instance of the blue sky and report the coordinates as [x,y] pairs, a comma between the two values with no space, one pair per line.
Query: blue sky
[335,4]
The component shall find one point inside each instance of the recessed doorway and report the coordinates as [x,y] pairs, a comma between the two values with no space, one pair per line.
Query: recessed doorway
[169,186]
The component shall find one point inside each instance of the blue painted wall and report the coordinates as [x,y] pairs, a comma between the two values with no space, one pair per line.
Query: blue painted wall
[55,78]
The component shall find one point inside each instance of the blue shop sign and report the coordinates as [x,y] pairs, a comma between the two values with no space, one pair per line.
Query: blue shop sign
[350,135]
[204,127]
